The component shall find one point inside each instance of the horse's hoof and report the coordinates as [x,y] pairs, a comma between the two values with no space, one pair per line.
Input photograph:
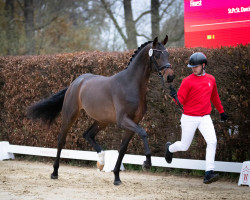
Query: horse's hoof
[117,182]
[145,166]
[99,166]
[53,176]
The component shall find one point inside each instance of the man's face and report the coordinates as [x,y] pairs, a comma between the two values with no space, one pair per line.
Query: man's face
[197,70]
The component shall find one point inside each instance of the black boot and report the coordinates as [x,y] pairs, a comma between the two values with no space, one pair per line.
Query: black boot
[210,177]
[168,154]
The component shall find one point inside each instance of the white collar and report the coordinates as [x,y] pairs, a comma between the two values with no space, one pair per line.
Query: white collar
[202,73]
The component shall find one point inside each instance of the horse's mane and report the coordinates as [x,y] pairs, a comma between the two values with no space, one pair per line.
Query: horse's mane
[138,50]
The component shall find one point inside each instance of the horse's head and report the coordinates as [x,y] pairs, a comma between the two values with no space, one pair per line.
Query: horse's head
[159,59]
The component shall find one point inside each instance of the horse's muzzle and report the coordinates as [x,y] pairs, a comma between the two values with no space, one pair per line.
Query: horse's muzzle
[170,78]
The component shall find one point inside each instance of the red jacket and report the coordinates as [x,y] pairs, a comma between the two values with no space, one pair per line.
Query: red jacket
[195,94]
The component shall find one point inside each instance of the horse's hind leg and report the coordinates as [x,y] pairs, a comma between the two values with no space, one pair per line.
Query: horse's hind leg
[68,118]
[125,141]
[89,135]
[91,132]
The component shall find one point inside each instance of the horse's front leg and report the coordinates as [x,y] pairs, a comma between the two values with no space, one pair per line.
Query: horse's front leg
[127,124]
[125,141]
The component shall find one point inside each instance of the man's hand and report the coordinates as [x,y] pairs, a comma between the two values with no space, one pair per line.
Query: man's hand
[223,116]
[173,92]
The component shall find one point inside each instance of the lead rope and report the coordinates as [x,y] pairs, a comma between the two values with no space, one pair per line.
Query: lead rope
[177,100]
[165,88]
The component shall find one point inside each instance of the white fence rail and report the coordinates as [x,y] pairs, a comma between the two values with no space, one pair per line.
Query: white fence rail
[7,151]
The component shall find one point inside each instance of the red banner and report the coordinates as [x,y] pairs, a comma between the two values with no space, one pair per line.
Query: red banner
[215,23]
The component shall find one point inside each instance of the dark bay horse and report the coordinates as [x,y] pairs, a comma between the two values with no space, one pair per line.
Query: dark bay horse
[119,99]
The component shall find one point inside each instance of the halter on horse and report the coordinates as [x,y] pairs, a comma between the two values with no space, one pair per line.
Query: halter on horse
[119,99]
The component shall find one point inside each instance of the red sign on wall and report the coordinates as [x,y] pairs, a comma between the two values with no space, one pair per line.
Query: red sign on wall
[215,23]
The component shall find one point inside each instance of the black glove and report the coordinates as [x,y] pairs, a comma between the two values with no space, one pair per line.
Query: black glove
[223,116]
[173,92]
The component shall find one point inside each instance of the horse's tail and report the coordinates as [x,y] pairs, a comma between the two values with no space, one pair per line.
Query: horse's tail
[47,110]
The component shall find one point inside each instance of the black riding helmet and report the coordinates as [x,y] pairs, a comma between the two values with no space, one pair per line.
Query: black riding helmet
[196,59]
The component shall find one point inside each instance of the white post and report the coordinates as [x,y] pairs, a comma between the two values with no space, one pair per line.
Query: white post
[4,152]
[110,161]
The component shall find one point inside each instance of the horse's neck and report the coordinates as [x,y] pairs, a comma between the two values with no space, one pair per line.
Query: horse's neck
[139,71]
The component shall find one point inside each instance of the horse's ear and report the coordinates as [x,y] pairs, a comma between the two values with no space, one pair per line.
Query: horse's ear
[165,40]
[155,42]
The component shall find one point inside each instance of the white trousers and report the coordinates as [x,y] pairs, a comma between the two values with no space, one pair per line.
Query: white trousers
[189,124]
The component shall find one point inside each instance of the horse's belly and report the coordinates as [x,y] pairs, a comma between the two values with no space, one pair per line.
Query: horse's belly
[97,102]
[100,112]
